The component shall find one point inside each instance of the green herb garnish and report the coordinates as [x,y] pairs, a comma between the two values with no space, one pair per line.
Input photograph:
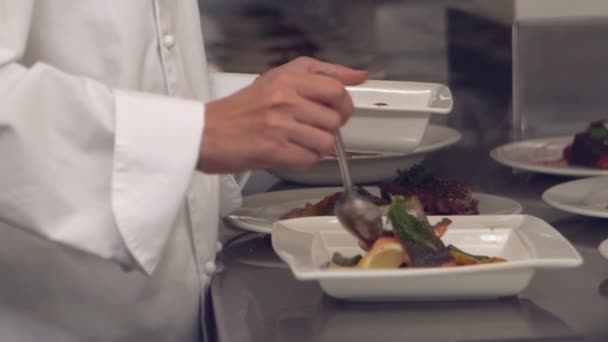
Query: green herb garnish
[454,249]
[342,260]
[407,225]
[598,133]
[417,175]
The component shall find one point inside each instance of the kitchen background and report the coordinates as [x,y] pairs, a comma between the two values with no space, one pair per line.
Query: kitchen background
[517,68]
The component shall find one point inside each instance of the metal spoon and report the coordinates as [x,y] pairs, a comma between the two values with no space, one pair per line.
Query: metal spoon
[357,214]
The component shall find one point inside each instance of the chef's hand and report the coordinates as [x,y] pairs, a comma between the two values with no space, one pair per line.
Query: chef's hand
[287,117]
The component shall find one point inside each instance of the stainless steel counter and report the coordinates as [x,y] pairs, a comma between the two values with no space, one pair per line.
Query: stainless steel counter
[256,298]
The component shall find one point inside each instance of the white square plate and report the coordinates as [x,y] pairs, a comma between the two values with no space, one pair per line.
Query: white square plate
[390,116]
[527,242]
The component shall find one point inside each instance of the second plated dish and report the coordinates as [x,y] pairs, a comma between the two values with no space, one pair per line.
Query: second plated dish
[259,212]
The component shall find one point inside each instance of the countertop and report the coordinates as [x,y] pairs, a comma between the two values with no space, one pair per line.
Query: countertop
[256,298]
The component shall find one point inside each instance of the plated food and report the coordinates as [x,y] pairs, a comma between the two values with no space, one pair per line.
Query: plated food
[590,147]
[409,240]
[260,211]
[438,196]
[544,155]
[526,242]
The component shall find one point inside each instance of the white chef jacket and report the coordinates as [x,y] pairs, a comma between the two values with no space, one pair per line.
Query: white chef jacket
[106,231]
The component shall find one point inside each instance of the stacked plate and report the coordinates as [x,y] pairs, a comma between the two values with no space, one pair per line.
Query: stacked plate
[584,196]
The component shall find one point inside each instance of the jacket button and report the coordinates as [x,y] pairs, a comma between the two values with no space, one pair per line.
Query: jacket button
[209,268]
[218,247]
[169,41]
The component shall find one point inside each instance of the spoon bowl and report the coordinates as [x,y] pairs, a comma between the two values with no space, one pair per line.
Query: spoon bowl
[357,214]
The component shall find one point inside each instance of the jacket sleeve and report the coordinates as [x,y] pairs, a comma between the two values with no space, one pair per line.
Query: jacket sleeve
[91,167]
[224,84]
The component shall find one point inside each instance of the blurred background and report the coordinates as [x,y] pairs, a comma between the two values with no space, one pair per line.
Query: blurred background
[518,69]
[465,44]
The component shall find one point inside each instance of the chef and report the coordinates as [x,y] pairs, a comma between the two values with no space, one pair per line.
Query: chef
[117,165]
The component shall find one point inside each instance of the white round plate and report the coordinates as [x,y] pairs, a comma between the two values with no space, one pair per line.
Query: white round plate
[587,196]
[603,248]
[542,155]
[260,211]
[372,169]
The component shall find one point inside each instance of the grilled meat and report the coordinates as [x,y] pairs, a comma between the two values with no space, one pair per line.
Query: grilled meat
[590,148]
[438,196]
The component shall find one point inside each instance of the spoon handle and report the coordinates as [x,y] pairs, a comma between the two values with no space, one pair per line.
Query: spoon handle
[343,163]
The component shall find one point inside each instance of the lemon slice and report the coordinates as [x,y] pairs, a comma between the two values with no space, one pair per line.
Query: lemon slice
[386,252]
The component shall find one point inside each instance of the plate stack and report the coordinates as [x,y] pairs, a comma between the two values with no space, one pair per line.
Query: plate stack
[582,155]
[561,156]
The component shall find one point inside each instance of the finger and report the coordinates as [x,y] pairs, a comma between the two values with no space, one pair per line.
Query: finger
[311,138]
[315,114]
[341,73]
[326,91]
[293,156]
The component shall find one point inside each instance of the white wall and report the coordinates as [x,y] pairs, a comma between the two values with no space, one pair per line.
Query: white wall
[546,9]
